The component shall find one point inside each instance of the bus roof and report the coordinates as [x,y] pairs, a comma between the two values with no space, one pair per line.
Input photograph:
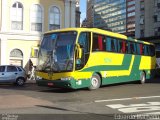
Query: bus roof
[101,31]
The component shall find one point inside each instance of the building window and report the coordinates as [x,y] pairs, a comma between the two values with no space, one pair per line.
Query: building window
[142,5]
[36,18]
[141,20]
[142,33]
[17,16]
[54,18]
[16,57]
[16,53]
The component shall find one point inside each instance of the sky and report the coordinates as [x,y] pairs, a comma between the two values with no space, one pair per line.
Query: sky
[83,9]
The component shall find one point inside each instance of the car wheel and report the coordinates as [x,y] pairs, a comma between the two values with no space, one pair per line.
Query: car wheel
[142,78]
[20,81]
[95,82]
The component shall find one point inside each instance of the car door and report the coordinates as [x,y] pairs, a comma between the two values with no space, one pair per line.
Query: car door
[2,73]
[11,73]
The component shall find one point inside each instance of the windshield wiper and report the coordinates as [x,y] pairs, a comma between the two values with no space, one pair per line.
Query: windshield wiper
[50,63]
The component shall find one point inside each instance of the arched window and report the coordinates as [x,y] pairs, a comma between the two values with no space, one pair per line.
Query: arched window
[54,18]
[36,18]
[16,57]
[16,53]
[17,16]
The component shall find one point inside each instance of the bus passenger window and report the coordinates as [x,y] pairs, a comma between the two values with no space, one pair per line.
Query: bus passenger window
[111,44]
[119,46]
[138,49]
[152,50]
[127,47]
[141,49]
[124,47]
[145,47]
[108,44]
[98,43]
[132,48]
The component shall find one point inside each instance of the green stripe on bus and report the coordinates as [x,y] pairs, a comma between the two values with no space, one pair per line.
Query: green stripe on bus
[134,75]
[125,65]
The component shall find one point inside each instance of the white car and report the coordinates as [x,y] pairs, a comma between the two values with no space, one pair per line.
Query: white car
[12,74]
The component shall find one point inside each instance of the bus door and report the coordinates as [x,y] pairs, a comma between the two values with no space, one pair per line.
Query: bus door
[85,43]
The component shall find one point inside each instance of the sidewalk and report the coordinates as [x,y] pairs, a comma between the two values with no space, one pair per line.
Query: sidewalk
[31,81]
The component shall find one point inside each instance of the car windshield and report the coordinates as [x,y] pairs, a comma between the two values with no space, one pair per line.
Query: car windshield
[57,52]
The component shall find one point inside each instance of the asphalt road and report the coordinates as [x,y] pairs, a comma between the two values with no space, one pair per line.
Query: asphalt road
[120,101]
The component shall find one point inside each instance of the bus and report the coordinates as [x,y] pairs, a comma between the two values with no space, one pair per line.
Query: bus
[91,57]
[157,62]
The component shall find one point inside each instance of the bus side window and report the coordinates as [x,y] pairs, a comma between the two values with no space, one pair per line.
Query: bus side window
[108,44]
[127,47]
[120,45]
[140,49]
[111,44]
[98,43]
[115,45]
[152,50]
[132,48]
[135,48]
[123,47]
[95,43]
[145,47]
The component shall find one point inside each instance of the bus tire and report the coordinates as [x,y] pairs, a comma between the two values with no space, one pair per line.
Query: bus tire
[142,78]
[95,82]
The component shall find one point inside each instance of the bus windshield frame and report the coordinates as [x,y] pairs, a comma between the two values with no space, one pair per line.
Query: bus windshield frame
[57,52]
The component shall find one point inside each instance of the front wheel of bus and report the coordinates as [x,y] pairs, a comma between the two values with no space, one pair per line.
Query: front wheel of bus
[95,82]
[142,78]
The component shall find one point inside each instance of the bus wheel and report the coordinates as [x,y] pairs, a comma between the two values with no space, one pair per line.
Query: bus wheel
[142,78]
[95,82]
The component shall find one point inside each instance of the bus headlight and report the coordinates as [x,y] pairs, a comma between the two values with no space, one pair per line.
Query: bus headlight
[66,78]
[38,78]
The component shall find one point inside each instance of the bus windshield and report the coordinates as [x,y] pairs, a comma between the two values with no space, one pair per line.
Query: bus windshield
[57,52]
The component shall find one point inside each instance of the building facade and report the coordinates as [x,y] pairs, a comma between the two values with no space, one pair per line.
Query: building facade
[110,14]
[114,15]
[23,22]
[78,14]
[148,20]
[90,13]
[130,21]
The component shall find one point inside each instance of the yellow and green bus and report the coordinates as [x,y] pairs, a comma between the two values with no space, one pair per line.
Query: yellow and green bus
[90,57]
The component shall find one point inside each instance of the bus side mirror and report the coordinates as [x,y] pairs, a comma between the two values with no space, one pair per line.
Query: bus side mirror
[78,51]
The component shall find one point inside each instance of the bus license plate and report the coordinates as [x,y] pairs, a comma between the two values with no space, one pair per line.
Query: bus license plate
[50,84]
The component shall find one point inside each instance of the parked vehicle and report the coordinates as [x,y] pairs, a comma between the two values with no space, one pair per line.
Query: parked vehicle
[12,74]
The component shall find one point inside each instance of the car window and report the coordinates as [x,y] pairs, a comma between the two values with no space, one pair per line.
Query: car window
[19,69]
[2,68]
[11,69]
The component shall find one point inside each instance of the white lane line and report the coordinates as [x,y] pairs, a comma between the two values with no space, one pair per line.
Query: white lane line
[122,99]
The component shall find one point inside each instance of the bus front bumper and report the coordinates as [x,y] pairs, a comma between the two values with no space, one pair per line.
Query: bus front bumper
[57,83]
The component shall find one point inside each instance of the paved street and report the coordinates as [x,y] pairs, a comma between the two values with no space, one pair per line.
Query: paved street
[108,101]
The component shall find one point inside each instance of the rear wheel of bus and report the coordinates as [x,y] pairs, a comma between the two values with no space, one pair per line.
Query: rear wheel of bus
[95,82]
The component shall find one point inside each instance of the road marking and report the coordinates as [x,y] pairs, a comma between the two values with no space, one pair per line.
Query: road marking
[122,99]
[153,107]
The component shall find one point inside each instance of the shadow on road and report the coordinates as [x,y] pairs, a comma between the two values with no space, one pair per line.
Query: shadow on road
[36,88]
[155,80]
